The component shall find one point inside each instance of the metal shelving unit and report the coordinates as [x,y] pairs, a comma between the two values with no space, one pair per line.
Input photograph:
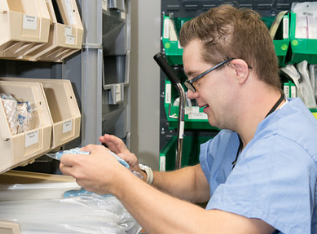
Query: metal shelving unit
[99,72]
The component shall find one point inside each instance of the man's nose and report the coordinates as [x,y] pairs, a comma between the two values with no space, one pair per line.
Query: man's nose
[191,94]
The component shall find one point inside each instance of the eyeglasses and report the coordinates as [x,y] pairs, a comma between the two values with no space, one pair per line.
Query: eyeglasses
[189,83]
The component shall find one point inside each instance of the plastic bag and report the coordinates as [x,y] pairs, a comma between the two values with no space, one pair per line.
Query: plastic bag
[19,114]
[10,109]
[89,214]
[24,117]
[305,85]
[306,19]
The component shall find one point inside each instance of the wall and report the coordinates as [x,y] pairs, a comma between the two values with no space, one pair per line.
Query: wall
[145,80]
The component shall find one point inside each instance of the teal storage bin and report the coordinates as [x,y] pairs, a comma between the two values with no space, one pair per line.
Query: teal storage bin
[301,49]
[190,152]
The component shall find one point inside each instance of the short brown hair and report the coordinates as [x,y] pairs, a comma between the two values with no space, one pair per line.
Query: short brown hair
[229,32]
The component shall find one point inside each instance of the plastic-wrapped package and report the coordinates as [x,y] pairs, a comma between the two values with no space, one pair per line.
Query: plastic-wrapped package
[305,85]
[19,114]
[24,117]
[313,78]
[10,108]
[306,19]
[77,150]
[88,214]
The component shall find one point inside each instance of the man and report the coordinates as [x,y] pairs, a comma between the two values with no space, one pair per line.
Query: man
[258,174]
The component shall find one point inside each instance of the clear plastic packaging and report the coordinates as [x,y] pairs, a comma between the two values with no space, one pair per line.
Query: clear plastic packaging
[305,19]
[24,117]
[89,214]
[19,114]
[77,150]
[10,108]
[34,191]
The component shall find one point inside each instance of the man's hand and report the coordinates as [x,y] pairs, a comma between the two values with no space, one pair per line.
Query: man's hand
[96,172]
[117,146]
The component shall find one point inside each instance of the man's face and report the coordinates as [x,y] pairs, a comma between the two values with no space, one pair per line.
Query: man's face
[212,89]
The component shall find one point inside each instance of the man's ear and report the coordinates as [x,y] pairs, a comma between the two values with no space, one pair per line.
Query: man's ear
[242,70]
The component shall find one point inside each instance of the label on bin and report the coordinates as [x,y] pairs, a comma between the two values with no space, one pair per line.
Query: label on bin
[285,27]
[118,93]
[197,116]
[166,33]
[168,95]
[67,126]
[31,138]
[105,5]
[191,110]
[70,39]
[29,22]
[162,163]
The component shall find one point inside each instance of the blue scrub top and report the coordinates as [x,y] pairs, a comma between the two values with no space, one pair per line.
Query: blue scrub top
[275,176]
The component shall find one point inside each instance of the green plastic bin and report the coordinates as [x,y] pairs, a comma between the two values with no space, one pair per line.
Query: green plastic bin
[173,50]
[190,152]
[301,49]
[195,118]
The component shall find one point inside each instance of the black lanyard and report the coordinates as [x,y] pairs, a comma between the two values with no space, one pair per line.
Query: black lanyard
[270,112]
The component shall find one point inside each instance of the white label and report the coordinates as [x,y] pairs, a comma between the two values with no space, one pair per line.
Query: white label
[68,31]
[285,27]
[181,130]
[70,39]
[118,93]
[162,163]
[70,12]
[67,126]
[191,110]
[123,15]
[31,138]
[166,33]
[293,91]
[198,116]
[168,91]
[29,22]
[286,91]
[105,5]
